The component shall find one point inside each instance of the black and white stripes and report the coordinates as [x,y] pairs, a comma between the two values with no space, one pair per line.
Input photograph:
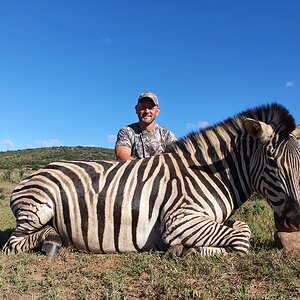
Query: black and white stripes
[179,201]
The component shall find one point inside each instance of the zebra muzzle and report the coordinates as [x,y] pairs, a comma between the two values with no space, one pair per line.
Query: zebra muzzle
[287,224]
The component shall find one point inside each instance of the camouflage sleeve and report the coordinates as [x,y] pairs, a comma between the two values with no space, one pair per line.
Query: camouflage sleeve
[124,137]
[170,138]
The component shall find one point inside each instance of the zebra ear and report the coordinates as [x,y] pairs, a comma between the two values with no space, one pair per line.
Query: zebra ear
[296,132]
[258,130]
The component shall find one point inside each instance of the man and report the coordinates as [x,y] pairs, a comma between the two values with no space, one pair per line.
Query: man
[144,138]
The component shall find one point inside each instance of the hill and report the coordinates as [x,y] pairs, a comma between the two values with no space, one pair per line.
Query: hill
[35,158]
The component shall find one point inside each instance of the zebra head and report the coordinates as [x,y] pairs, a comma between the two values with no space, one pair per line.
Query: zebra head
[276,167]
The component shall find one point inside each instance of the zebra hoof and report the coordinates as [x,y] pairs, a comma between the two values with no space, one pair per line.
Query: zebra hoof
[176,250]
[51,250]
[195,251]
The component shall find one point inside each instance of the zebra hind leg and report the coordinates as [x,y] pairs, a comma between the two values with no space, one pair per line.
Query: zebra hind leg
[33,228]
[23,241]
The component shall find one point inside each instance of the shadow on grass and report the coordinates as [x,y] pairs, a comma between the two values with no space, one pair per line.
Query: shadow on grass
[4,236]
[259,244]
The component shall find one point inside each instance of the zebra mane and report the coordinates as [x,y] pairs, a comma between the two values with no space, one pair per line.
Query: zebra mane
[219,134]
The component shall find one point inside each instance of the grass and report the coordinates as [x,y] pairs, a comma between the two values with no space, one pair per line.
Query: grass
[264,273]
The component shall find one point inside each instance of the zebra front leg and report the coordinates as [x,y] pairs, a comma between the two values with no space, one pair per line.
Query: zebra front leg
[180,250]
[202,235]
[23,241]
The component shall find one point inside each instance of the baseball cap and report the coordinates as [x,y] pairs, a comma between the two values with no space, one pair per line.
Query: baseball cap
[150,95]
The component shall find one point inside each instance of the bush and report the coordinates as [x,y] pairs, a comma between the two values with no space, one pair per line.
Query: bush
[7,175]
[2,196]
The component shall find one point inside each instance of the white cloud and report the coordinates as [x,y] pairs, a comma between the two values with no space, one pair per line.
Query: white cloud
[203,124]
[111,138]
[7,144]
[106,40]
[191,125]
[49,143]
[290,84]
[198,125]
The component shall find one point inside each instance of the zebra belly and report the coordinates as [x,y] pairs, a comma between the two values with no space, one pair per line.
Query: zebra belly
[104,236]
[113,244]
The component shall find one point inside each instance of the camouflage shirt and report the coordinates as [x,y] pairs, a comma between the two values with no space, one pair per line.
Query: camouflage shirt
[145,143]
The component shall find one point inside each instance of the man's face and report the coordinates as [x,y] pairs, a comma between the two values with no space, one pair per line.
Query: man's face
[146,111]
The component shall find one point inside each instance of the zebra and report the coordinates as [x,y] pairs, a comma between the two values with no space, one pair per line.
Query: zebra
[179,201]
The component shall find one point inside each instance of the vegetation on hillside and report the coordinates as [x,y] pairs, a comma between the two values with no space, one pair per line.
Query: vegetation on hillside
[35,158]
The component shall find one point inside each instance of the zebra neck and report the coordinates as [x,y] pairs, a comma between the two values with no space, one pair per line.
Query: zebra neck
[225,162]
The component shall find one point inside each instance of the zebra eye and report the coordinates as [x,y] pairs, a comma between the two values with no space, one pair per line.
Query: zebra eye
[271,162]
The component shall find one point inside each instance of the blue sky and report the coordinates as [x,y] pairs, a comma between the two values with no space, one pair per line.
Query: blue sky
[71,71]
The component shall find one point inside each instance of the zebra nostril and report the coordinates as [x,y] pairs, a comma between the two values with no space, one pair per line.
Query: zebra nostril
[287,223]
[281,222]
[296,221]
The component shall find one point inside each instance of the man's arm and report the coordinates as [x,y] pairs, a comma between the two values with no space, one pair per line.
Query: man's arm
[123,153]
[123,146]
